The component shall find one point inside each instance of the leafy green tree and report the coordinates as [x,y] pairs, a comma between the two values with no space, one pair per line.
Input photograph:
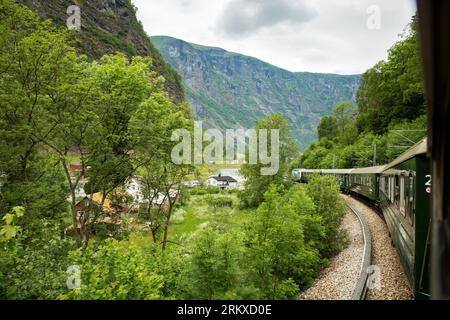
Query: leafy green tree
[257,184]
[33,56]
[280,258]
[344,114]
[327,128]
[324,191]
[403,135]
[152,126]
[213,271]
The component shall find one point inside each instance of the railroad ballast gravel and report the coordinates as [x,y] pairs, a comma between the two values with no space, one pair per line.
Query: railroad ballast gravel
[339,279]
[393,280]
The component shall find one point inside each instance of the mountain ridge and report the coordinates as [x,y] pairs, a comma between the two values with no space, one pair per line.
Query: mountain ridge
[228,89]
[157,37]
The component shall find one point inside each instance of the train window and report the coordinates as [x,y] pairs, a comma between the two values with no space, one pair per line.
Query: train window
[386,186]
[392,186]
[397,189]
[402,195]
[411,193]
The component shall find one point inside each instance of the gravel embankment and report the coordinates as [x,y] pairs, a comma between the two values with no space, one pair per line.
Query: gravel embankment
[394,283]
[338,280]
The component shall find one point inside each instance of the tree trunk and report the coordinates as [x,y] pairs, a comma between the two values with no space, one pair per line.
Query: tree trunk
[166,234]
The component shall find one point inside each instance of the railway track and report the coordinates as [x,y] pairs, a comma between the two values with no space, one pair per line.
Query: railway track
[360,291]
[340,280]
[369,268]
[392,283]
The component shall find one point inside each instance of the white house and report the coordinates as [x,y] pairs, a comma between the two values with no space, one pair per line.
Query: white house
[224,182]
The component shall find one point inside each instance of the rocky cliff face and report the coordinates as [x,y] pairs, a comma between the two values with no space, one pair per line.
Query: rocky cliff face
[229,90]
[109,26]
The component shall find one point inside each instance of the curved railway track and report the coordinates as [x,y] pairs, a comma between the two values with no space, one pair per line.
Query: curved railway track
[392,282]
[345,276]
[360,291]
[369,268]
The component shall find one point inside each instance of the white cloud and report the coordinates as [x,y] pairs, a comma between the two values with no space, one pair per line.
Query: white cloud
[243,17]
[298,35]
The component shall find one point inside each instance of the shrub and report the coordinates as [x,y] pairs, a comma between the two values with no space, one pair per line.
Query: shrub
[213,267]
[219,202]
[325,193]
[278,251]
[33,266]
[116,270]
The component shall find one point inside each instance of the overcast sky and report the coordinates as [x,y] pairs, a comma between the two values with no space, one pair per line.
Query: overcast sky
[298,35]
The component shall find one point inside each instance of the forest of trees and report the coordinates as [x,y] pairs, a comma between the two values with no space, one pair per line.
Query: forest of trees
[114,117]
[389,115]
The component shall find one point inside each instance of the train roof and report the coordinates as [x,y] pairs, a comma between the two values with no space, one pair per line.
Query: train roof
[417,149]
[337,171]
[369,170]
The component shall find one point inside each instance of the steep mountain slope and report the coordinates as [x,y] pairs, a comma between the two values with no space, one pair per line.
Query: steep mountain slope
[230,90]
[109,26]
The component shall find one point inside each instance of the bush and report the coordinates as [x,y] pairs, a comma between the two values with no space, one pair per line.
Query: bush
[213,268]
[325,193]
[204,190]
[278,249]
[114,271]
[33,266]
[217,202]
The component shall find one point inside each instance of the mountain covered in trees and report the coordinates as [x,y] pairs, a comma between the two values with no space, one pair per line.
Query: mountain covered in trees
[229,90]
[389,116]
[109,26]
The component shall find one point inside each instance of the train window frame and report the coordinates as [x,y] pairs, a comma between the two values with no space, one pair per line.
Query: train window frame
[401,199]
[397,189]
[392,189]
[411,195]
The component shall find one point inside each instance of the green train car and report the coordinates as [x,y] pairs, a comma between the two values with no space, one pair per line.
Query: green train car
[402,190]
[405,195]
[364,182]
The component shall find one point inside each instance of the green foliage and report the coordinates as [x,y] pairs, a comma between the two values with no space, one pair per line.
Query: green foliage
[204,190]
[33,57]
[257,184]
[33,264]
[114,271]
[114,116]
[217,202]
[10,229]
[213,271]
[324,191]
[278,251]
[327,128]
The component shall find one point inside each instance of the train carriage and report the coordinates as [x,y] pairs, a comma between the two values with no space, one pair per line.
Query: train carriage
[404,198]
[364,182]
